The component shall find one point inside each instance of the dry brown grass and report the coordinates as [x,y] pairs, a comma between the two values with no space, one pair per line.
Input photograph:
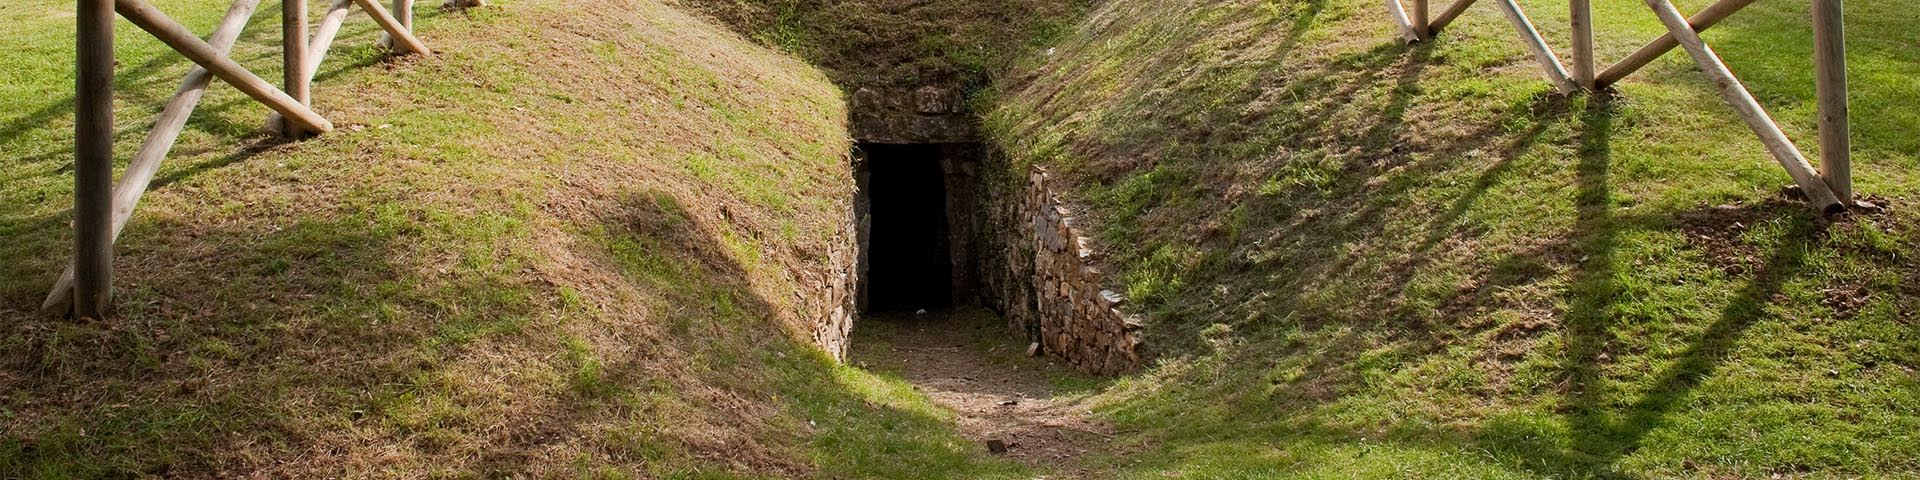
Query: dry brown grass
[893,43]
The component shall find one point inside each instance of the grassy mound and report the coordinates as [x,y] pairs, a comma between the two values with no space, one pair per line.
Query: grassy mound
[1365,259]
[568,244]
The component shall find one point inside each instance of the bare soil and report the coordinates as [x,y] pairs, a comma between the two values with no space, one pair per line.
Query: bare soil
[967,361]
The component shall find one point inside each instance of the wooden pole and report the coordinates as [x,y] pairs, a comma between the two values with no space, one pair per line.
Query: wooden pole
[1582,19]
[1422,24]
[170,32]
[1398,12]
[1763,125]
[1700,22]
[166,129]
[1447,16]
[386,21]
[293,40]
[402,11]
[1830,73]
[93,159]
[323,36]
[1541,53]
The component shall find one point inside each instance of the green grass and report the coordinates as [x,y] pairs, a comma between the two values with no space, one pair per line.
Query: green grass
[1362,259]
[562,246]
[574,251]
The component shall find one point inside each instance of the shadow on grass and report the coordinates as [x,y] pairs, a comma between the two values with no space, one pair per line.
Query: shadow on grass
[1600,430]
[1307,254]
[33,235]
[855,424]
[356,342]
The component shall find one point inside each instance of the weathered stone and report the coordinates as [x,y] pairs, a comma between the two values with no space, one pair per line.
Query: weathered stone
[1063,304]
[868,99]
[930,114]
[930,100]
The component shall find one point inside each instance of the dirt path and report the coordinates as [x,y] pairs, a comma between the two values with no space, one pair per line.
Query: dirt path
[964,360]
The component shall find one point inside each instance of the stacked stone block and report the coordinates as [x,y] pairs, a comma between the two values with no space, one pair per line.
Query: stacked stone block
[830,304]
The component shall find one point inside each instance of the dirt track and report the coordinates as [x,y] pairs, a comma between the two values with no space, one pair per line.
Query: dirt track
[965,361]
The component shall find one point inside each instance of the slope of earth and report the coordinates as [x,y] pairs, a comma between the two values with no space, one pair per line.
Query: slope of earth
[574,242]
[1363,259]
[899,43]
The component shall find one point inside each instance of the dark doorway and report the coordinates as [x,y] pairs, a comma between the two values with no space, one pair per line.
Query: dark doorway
[909,255]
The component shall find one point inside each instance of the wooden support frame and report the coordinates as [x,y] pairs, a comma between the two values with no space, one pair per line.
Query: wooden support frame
[400,34]
[1446,17]
[170,32]
[101,207]
[1700,22]
[1422,23]
[1580,15]
[1830,77]
[93,159]
[1549,63]
[166,130]
[1750,110]
[293,42]
[403,12]
[323,36]
[1829,188]
[1398,13]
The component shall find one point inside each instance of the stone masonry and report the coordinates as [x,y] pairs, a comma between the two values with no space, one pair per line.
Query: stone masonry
[1042,279]
[828,299]
[929,114]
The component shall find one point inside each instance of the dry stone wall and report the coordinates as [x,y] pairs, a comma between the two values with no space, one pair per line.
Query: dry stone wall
[830,302]
[1043,280]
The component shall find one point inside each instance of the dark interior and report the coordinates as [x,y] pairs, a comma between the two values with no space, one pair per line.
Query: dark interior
[909,264]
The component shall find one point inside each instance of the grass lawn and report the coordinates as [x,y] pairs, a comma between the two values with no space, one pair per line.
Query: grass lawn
[580,245]
[565,245]
[1362,259]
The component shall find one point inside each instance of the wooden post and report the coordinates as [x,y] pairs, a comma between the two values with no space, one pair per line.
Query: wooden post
[1700,22]
[403,12]
[170,32]
[1750,110]
[1422,24]
[93,159]
[293,40]
[1541,53]
[166,129]
[386,21]
[1582,19]
[1830,73]
[1398,12]
[323,36]
[1447,16]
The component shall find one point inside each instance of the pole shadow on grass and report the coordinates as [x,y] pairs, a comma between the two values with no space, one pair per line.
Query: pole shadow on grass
[32,233]
[1601,430]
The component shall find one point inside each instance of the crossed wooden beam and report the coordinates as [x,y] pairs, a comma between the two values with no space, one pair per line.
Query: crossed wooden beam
[101,208]
[1830,188]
